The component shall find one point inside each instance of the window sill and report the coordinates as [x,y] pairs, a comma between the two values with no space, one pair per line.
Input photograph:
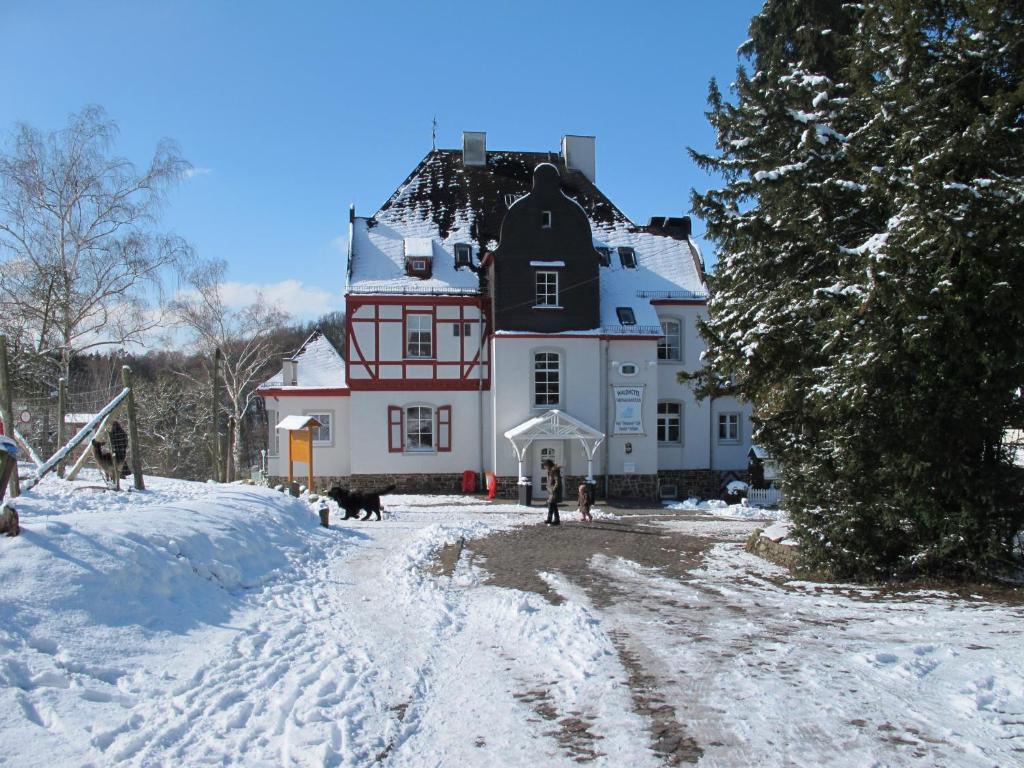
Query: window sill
[728,442]
[547,306]
[419,451]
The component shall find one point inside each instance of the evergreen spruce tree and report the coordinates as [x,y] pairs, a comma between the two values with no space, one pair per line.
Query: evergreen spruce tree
[868,299]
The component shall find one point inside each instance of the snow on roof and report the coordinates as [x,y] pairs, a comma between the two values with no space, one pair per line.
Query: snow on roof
[318,366]
[445,202]
[297,421]
[419,247]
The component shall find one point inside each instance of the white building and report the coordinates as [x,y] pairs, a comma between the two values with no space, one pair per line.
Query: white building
[501,311]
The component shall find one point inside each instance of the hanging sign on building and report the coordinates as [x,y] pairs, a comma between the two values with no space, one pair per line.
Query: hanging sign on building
[629,406]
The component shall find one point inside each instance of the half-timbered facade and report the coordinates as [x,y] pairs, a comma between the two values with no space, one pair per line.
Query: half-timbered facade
[501,311]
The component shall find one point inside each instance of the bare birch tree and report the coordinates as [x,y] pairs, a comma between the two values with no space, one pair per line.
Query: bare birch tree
[247,338]
[79,258]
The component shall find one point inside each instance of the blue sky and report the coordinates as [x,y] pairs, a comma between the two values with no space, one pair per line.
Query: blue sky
[291,111]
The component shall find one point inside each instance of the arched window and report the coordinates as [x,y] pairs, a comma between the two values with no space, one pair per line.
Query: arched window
[547,379]
[670,345]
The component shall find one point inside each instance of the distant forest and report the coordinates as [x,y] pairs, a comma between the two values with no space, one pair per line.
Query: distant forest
[174,396]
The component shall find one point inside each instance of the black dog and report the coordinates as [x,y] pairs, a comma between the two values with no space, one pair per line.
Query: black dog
[353,501]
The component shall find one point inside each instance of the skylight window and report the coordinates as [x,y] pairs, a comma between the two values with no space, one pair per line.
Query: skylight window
[463,255]
[627,256]
[626,315]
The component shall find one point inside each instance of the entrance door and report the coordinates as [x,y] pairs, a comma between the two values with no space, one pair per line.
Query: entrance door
[543,450]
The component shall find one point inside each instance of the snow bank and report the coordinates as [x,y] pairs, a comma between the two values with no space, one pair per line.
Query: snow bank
[723,509]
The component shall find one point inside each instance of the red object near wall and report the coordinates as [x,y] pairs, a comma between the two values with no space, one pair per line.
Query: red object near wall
[469,481]
[492,485]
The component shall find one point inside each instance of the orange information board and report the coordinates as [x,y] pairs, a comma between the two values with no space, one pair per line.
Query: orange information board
[300,445]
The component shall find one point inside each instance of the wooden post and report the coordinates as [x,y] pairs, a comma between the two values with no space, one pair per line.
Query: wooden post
[229,453]
[133,431]
[216,416]
[62,407]
[309,465]
[7,409]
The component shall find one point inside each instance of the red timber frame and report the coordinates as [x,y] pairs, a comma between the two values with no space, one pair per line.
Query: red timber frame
[370,359]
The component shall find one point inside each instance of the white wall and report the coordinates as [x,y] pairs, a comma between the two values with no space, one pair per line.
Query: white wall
[328,461]
[512,391]
[644,454]
[701,448]
[369,426]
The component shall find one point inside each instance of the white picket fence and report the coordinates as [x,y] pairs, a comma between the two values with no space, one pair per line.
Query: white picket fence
[764,497]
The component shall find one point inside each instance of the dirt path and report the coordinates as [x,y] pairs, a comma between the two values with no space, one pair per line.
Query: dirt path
[518,558]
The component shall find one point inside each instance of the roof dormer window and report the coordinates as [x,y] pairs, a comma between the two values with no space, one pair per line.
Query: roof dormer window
[545,219]
[626,315]
[627,257]
[419,253]
[463,255]
[604,255]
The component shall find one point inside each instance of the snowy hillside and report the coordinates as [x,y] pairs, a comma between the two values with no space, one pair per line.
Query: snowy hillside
[196,624]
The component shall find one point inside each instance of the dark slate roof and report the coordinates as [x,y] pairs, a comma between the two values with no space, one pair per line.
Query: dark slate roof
[450,203]
[441,187]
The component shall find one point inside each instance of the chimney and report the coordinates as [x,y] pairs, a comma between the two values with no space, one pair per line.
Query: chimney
[677,227]
[578,154]
[290,372]
[474,148]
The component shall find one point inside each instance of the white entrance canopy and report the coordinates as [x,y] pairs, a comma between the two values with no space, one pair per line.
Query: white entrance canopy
[554,425]
[292,423]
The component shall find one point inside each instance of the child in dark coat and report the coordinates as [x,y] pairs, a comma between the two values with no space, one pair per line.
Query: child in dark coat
[554,488]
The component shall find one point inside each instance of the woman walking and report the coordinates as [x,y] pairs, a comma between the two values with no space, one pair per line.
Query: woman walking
[554,486]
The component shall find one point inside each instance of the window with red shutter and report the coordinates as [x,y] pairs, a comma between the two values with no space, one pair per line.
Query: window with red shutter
[395,430]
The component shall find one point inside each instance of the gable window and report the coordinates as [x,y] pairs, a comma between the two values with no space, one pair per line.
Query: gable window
[670,422]
[627,257]
[322,435]
[626,315]
[728,427]
[670,343]
[463,255]
[545,219]
[419,333]
[546,379]
[419,429]
[604,256]
[547,289]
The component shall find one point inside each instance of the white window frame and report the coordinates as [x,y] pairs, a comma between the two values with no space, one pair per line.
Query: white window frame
[273,436]
[409,331]
[544,294]
[729,423]
[431,421]
[549,370]
[545,219]
[419,265]
[316,413]
[664,422]
[663,341]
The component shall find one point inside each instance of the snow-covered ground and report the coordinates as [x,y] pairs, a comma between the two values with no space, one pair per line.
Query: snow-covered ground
[197,624]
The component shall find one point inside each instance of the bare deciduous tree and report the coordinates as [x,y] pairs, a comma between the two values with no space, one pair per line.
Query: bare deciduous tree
[247,338]
[79,257]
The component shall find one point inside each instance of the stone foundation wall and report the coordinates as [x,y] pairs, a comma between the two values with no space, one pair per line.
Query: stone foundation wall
[633,487]
[702,483]
[410,483]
